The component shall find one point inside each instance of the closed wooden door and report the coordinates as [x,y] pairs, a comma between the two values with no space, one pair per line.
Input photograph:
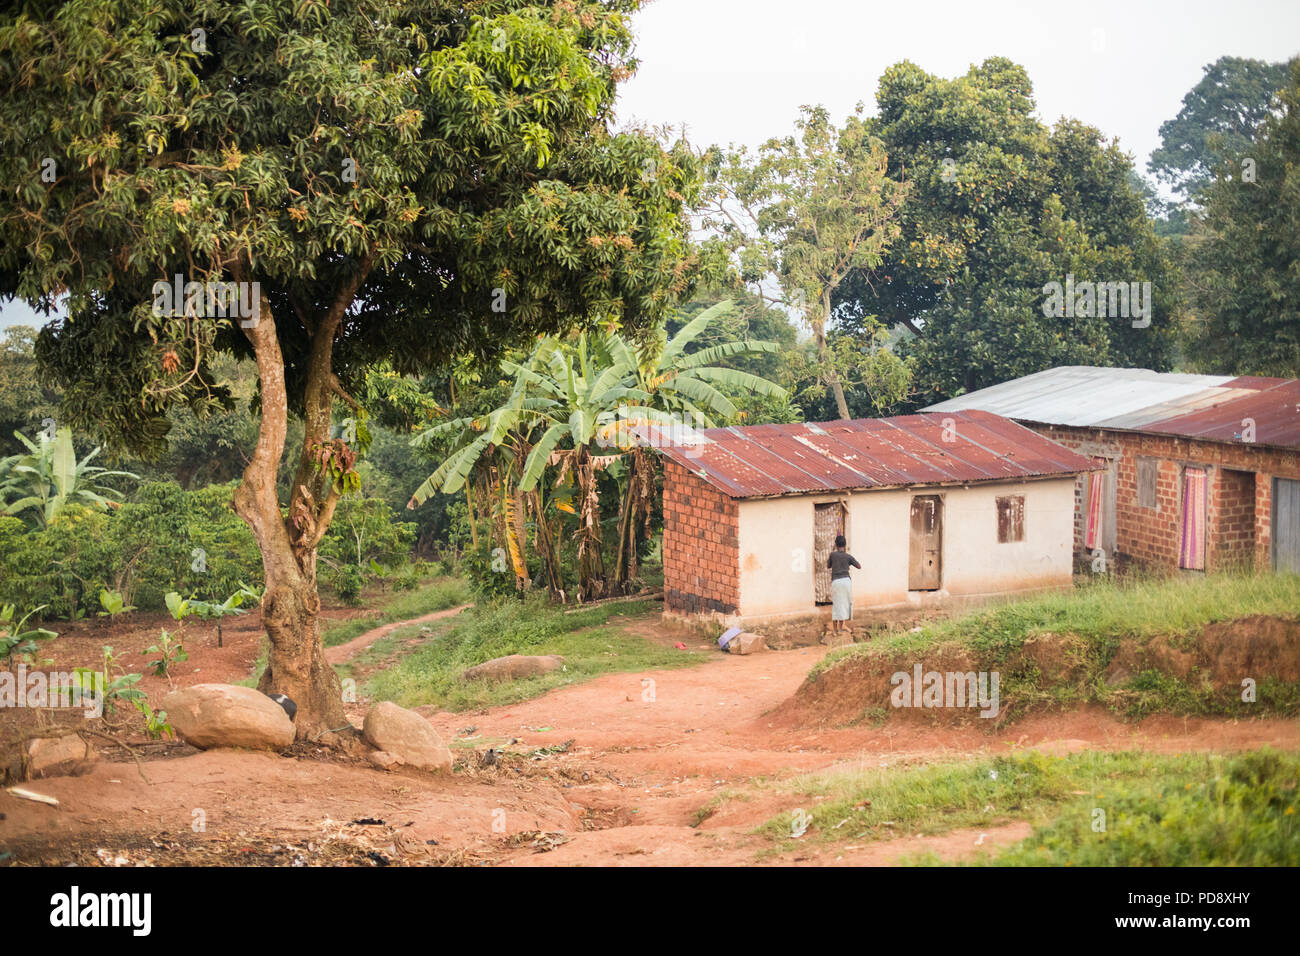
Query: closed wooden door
[1286,524]
[925,552]
[828,521]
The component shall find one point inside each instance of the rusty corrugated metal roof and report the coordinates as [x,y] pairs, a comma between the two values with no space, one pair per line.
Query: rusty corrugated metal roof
[758,461]
[1208,407]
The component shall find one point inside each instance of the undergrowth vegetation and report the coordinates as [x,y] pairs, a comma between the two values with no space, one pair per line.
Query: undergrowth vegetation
[590,640]
[1089,809]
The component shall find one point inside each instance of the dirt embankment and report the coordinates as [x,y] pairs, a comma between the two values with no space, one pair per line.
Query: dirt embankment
[1247,667]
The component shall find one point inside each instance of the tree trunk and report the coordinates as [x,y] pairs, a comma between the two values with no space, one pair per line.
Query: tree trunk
[591,564]
[296,665]
[633,518]
[545,542]
[829,375]
[473,517]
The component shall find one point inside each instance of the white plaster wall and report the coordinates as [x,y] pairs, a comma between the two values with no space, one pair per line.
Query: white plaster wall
[776,540]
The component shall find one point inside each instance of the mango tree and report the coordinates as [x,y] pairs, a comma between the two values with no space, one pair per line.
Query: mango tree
[321,187]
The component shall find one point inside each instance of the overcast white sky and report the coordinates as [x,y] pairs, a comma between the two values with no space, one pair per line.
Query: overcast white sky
[737,71]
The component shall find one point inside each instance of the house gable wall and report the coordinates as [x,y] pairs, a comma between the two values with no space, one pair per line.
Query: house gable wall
[700,547]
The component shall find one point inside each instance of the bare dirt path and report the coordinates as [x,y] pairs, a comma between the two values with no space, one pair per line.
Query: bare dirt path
[342,653]
[661,767]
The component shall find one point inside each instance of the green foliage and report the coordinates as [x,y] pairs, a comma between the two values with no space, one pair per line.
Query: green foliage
[999,206]
[810,210]
[1242,252]
[16,637]
[464,149]
[1194,811]
[1156,809]
[164,539]
[1091,622]
[63,565]
[118,685]
[363,530]
[177,606]
[27,398]
[346,583]
[1218,122]
[488,571]
[156,725]
[170,651]
[112,603]
[212,610]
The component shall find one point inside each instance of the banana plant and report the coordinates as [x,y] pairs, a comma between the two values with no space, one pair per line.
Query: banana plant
[16,637]
[573,397]
[685,390]
[48,478]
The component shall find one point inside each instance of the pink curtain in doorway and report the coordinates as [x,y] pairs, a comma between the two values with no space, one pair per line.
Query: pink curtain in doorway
[1092,530]
[1192,553]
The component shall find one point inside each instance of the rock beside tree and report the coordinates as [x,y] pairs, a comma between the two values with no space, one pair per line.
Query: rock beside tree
[224,715]
[64,756]
[405,735]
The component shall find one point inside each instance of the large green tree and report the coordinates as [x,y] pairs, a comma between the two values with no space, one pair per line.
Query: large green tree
[382,180]
[999,206]
[1217,123]
[1243,254]
[805,212]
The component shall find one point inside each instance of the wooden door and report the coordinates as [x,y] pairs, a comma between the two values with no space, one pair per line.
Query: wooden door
[1286,524]
[828,521]
[925,552]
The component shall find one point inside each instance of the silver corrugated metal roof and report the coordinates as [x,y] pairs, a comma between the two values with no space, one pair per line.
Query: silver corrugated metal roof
[1209,407]
[1086,396]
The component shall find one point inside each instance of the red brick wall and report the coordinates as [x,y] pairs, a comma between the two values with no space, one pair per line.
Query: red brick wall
[1232,515]
[1238,505]
[701,546]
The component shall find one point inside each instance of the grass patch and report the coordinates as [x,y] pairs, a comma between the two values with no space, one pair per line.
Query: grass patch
[1156,809]
[436,595]
[390,644]
[1102,610]
[1117,644]
[590,641]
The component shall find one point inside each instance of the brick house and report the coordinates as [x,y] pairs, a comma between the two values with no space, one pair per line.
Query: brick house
[1198,472]
[935,513]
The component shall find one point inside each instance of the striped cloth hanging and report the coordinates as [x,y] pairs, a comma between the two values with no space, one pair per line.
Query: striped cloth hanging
[1192,553]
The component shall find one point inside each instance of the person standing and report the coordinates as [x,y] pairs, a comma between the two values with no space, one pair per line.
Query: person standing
[839,561]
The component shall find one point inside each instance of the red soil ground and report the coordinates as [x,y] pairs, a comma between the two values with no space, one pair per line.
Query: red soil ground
[638,773]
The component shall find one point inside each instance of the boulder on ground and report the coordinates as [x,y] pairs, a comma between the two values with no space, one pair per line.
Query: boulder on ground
[405,735]
[59,756]
[513,667]
[746,643]
[223,715]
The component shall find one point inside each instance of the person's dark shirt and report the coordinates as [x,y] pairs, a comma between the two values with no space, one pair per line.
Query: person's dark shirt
[839,562]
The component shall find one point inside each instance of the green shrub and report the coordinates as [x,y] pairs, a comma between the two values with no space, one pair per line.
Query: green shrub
[163,539]
[346,583]
[489,572]
[62,566]
[167,539]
